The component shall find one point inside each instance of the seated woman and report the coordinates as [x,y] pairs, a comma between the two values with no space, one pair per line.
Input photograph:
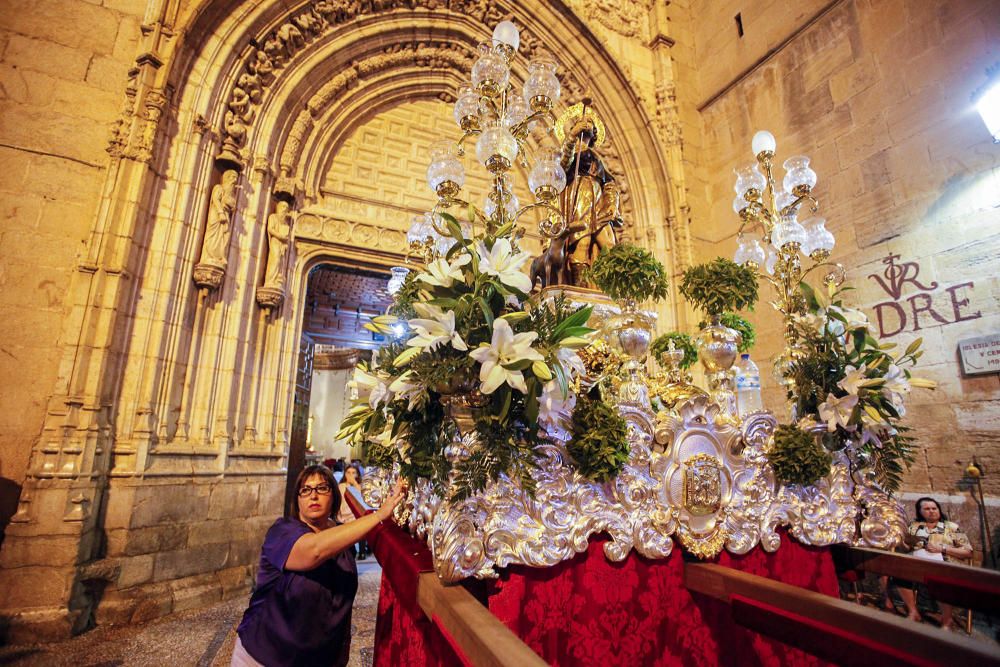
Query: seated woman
[934,538]
[300,609]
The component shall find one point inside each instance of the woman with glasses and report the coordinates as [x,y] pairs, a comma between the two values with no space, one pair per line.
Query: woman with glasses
[300,609]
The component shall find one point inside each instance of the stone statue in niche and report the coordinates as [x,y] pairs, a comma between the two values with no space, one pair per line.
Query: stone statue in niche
[210,269]
[279,230]
[279,234]
[590,204]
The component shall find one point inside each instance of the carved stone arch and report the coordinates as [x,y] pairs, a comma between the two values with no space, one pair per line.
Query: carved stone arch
[638,157]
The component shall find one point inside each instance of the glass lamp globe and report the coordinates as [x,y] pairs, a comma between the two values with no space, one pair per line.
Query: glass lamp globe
[541,89]
[397,277]
[820,238]
[507,33]
[772,259]
[799,178]
[444,166]
[517,111]
[748,177]
[547,176]
[467,107]
[740,256]
[496,140]
[763,142]
[788,231]
[783,200]
[419,230]
[490,73]
[739,203]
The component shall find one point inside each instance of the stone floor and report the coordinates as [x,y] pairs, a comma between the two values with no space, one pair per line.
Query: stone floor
[202,637]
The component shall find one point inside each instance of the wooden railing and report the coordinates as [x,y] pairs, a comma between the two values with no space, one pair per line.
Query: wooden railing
[477,636]
[961,585]
[831,628]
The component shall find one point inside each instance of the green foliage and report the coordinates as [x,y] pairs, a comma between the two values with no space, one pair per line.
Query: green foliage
[599,445]
[797,457]
[682,341]
[720,286]
[748,335]
[626,271]
[503,449]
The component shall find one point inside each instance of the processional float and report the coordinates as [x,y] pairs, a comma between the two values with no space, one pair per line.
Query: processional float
[517,397]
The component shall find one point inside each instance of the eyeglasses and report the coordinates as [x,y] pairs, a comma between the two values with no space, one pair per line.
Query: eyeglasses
[321,489]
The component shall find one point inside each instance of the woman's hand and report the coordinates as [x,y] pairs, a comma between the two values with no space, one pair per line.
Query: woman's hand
[934,548]
[389,504]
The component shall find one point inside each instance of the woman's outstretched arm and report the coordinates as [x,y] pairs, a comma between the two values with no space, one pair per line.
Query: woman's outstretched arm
[312,549]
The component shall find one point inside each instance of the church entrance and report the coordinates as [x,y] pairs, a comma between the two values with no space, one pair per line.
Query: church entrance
[340,299]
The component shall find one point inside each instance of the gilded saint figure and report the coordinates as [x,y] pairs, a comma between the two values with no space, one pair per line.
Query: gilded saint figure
[590,203]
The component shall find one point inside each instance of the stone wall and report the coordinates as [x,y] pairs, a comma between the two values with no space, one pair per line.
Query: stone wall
[878,93]
[63,66]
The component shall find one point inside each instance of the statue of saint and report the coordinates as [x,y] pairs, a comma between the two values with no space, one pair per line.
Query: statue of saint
[218,227]
[590,203]
[279,231]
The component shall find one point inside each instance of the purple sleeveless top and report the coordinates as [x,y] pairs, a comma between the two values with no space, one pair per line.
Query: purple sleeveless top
[299,618]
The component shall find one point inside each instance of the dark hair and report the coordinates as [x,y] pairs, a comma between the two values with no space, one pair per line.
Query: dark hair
[920,516]
[357,469]
[307,472]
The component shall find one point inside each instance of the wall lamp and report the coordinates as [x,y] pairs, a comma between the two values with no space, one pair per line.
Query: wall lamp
[987,101]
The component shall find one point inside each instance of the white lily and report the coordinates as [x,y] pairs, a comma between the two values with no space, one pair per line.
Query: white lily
[443,273]
[837,411]
[554,407]
[502,262]
[369,387]
[414,393]
[853,379]
[570,361]
[505,348]
[895,381]
[435,328]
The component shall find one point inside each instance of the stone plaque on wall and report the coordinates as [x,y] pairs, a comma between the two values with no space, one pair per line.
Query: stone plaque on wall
[980,355]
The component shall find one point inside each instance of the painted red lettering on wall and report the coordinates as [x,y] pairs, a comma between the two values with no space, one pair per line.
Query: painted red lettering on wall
[914,312]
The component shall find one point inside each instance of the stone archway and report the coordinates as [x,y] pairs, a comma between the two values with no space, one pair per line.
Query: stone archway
[173,410]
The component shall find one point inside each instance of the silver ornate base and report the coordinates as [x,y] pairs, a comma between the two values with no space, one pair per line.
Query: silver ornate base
[703,480]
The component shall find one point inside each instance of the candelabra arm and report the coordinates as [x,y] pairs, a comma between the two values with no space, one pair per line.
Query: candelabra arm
[788,210]
[460,144]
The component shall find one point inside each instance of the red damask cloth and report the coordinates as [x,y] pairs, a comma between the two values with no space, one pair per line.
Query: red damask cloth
[591,611]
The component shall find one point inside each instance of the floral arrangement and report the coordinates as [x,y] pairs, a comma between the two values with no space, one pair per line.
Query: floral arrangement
[474,337]
[719,286]
[843,379]
[681,341]
[626,272]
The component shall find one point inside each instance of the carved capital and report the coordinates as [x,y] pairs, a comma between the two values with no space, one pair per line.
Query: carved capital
[270,298]
[208,276]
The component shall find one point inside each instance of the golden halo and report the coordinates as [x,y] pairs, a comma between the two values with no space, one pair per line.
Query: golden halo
[570,118]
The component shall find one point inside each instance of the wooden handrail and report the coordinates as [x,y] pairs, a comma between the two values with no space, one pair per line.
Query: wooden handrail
[479,638]
[962,585]
[831,628]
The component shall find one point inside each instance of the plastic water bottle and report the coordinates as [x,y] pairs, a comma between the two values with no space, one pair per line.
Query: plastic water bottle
[747,386]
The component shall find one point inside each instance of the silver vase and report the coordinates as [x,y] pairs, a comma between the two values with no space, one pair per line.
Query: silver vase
[632,332]
[718,346]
